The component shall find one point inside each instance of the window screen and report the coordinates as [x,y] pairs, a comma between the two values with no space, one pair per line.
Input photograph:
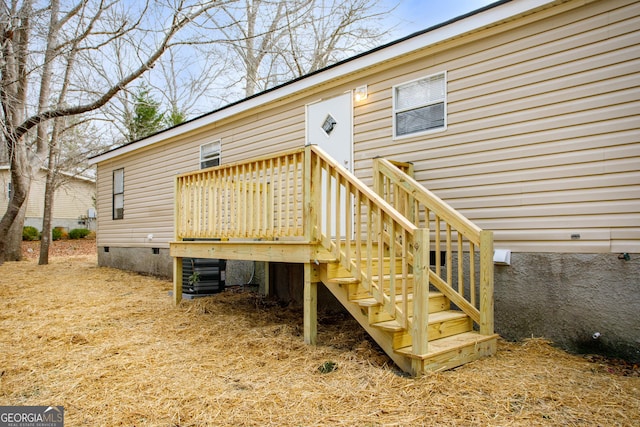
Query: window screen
[210,155]
[419,105]
[118,194]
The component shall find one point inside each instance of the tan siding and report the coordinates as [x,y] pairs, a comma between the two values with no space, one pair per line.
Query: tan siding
[149,208]
[543,131]
[543,136]
[621,220]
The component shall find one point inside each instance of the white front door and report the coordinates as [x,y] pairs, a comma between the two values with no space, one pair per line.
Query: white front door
[330,126]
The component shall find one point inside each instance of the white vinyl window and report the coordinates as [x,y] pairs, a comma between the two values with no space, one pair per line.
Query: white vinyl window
[420,105]
[118,194]
[210,154]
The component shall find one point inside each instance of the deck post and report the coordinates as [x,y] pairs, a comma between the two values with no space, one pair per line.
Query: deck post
[310,303]
[177,261]
[177,280]
[420,340]
[266,291]
[311,196]
[486,282]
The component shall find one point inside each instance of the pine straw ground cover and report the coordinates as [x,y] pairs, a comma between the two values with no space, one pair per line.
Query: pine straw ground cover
[110,348]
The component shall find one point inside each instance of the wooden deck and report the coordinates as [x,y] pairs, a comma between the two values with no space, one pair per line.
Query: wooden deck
[415,274]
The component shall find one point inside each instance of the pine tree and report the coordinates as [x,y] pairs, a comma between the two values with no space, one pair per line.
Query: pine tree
[147,118]
[175,117]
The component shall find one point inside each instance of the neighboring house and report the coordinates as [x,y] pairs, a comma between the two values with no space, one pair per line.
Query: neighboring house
[73,204]
[524,116]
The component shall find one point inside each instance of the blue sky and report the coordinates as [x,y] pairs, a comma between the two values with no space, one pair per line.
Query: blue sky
[417,15]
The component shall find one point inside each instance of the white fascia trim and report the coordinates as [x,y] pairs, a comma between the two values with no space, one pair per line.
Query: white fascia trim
[455,29]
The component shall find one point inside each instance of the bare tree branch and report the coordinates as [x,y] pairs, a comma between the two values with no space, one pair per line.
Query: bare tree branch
[178,23]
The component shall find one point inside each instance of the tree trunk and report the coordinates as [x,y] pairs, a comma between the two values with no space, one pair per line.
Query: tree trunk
[49,190]
[50,187]
[13,221]
[16,74]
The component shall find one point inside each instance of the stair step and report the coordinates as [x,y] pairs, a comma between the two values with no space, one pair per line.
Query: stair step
[458,321]
[437,296]
[456,343]
[441,325]
[366,302]
[376,312]
[443,316]
[338,270]
[344,280]
[386,280]
[390,326]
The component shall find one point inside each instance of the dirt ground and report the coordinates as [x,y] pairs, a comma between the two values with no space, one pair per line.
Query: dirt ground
[60,248]
[109,347]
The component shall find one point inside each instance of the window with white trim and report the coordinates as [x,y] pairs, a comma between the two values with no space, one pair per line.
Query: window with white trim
[210,154]
[9,189]
[118,194]
[420,105]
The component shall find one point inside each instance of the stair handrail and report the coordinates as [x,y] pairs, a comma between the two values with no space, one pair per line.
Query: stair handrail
[480,311]
[357,183]
[396,238]
[428,198]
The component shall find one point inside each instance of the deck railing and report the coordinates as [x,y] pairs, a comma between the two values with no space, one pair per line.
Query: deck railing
[383,239]
[257,199]
[462,248]
[375,243]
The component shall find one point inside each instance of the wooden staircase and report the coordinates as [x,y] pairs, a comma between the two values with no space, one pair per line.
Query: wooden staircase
[452,339]
[416,274]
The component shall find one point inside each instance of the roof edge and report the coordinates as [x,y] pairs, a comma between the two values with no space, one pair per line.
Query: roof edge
[455,27]
[67,174]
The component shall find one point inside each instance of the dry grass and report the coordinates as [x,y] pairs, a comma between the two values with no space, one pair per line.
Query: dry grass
[110,348]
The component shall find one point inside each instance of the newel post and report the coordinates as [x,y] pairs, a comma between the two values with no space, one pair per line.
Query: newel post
[486,283]
[312,195]
[420,340]
[306,194]
[378,179]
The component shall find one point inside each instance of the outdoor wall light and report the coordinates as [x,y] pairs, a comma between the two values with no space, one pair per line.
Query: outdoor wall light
[361,93]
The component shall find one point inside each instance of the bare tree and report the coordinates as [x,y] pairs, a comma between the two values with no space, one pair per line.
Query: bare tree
[34,35]
[250,46]
[276,41]
[58,123]
[184,86]
[333,30]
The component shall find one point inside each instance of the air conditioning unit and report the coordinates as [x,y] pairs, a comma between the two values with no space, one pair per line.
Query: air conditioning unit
[203,276]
